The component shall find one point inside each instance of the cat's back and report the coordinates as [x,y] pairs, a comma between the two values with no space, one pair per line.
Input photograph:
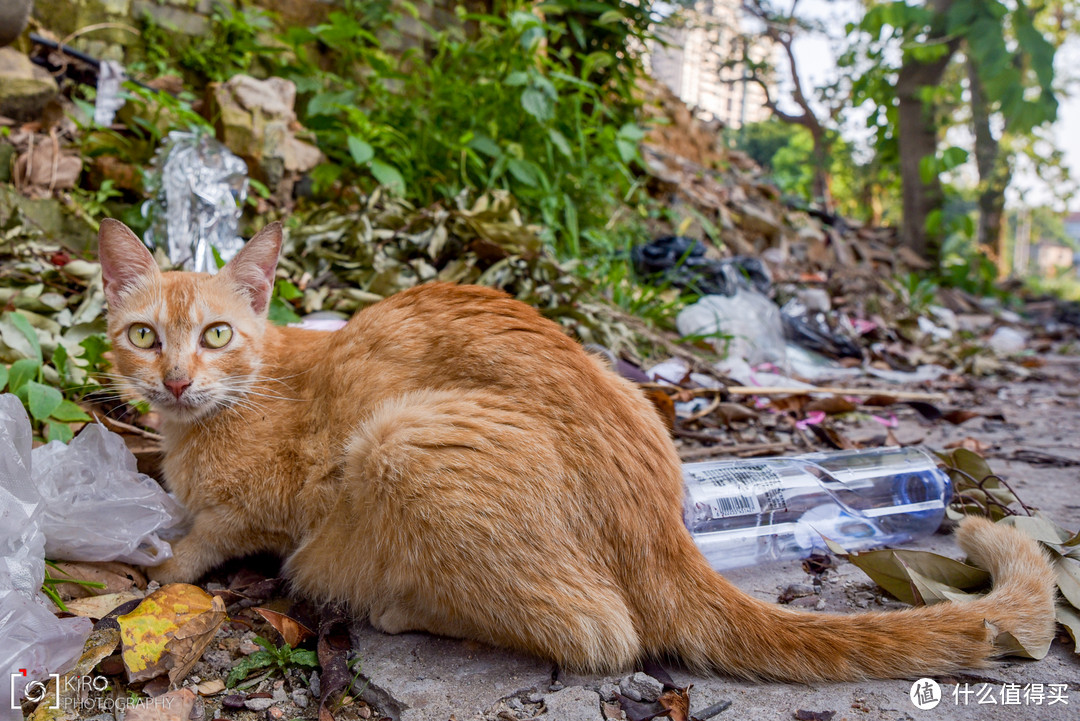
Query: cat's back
[464,332]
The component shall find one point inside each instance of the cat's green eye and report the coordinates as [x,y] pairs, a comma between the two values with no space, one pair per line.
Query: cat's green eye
[217,335]
[142,336]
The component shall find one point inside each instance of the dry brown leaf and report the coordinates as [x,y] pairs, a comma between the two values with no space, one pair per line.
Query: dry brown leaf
[972,444]
[65,691]
[789,403]
[880,400]
[832,405]
[677,703]
[292,631]
[210,688]
[734,412]
[97,607]
[663,404]
[172,706]
[116,576]
[958,416]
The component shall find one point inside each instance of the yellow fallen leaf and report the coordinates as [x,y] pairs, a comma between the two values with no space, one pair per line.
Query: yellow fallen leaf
[168,631]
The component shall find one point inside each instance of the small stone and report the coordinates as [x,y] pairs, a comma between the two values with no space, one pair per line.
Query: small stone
[573,704]
[535,697]
[274,713]
[218,660]
[641,687]
[364,711]
[557,686]
[608,691]
[249,647]
[233,701]
[313,684]
[613,711]
[300,698]
[514,703]
[258,704]
[25,89]
[820,605]
[279,694]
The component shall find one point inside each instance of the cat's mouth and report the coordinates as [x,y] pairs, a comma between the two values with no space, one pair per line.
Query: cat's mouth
[191,405]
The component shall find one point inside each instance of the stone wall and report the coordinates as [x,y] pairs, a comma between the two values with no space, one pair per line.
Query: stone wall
[71,18]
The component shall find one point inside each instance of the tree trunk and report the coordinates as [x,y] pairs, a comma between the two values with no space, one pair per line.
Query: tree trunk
[994,170]
[917,137]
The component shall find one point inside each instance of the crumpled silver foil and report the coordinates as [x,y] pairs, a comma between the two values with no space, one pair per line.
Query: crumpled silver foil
[198,189]
[108,100]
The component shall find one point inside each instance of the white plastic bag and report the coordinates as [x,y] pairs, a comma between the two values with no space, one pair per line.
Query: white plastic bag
[98,507]
[33,642]
[744,327]
[82,502]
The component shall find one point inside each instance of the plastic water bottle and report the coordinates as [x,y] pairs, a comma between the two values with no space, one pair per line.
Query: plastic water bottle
[744,512]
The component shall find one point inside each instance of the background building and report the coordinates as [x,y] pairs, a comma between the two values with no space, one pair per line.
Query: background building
[692,63]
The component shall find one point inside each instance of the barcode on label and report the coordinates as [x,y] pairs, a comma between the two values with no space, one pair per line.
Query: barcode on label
[742,490]
[728,506]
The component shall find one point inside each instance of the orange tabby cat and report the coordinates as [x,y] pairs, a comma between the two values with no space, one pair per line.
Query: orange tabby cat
[451,462]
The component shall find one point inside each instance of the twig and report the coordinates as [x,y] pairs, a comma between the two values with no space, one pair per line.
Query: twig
[149,435]
[780,391]
[746,448]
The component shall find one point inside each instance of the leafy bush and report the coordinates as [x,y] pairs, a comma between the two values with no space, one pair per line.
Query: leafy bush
[522,105]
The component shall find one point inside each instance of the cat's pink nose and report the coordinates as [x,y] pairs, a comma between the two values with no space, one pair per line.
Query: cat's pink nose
[177,387]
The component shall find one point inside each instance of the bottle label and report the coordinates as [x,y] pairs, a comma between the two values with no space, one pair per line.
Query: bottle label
[749,490]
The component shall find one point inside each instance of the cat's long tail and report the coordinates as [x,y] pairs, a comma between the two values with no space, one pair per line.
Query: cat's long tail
[717,627]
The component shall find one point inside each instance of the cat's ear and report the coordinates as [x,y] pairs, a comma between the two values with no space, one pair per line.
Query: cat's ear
[125,261]
[253,267]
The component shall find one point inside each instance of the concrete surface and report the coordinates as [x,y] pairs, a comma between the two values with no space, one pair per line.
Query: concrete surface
[416,677]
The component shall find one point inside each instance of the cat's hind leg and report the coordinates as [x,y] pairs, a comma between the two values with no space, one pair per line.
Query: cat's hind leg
[446,524]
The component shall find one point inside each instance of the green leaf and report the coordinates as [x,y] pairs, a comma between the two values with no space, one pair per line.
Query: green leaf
[3,377]
[42,399]
[560,142]
[281,313]
[360,151]
[953,157]
[388,175]
[487,146]
[303,657]
[20,372]
[516,78]
[287,290]
[259,659]
[524,172]
[890,570]
[60,362]
[58,432]
[23,325]
[1070,619]
[537,104]
[94,348]
[219,262]
[70,412]
[928,169]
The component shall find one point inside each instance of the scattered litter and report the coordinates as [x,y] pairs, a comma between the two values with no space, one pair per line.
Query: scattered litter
[1007,341]
[198,189]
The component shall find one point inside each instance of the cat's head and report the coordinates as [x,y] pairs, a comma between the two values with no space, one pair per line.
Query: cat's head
[187,342]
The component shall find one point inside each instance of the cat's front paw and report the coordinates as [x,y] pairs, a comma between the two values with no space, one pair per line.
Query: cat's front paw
[171,571]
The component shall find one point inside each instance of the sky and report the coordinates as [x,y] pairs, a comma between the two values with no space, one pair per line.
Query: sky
[816,61]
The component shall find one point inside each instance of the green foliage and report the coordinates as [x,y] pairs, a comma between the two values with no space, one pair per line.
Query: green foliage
[524,104]
[50,412]
[761,141]
[279,658]
[233,42]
